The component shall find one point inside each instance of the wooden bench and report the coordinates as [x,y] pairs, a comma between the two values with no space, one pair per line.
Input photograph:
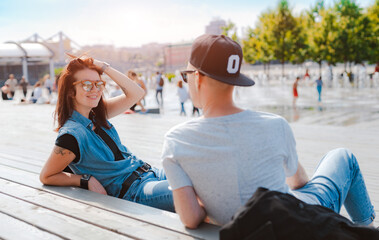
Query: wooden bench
[30,210]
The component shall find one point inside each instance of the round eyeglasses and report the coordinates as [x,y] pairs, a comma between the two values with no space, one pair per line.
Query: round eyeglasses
[89,84]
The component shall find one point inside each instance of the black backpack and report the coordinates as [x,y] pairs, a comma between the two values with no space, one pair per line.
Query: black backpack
[271,215]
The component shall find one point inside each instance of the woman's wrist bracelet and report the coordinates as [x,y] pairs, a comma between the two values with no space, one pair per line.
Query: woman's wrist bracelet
[105,66]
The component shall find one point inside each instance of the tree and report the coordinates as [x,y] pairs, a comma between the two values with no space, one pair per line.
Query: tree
[373,38]
[341,33]
[300,40]
[258,45]
[351,32]
[230,30]
[284,31]
[363,39]
[322,34]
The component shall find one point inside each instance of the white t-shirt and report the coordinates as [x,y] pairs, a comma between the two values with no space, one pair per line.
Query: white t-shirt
[227,158]
[37,93]
[12,83]
[157,80]
[183,94]
[48,83]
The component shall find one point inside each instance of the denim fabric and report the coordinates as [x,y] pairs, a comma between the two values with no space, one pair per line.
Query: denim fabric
[159,91]
[337,181]
[152,189]
[96,158]
[182,110]
[319,89]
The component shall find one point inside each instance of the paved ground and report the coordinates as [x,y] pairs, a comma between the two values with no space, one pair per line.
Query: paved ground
[349,118]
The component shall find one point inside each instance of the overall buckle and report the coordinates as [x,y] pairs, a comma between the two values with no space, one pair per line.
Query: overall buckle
[146,167]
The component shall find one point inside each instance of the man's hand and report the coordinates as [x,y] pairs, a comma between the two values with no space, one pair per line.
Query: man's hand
[299,179]
[95,186]
[188,207]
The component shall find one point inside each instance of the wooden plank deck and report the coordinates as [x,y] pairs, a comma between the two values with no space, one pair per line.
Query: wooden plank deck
[29,210]
[74,213]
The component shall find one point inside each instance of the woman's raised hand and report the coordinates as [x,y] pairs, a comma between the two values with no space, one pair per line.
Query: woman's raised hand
[98,63]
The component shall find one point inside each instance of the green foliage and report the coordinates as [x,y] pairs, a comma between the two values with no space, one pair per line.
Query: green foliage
[322,35]
[300,39]
[283,32]
[169,76]
[159,63]
[373,38]
[287,36]
[258,46]
[349,31]
[230,30]
[57,71]
[340,33]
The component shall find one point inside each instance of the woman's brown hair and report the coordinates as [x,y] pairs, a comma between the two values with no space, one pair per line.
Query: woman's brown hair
[180,83]
[131,74]
[67,92]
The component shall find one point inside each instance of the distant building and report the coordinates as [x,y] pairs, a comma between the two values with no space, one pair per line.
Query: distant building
[176,56]
[215,27]
[142,59]
[59,43]
[35,56]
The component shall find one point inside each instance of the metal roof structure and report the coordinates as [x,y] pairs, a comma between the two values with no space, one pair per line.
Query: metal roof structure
[34,50]
[9,50]
[26,53]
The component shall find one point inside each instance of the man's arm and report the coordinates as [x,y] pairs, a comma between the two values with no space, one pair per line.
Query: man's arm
[188,207]
[299,179]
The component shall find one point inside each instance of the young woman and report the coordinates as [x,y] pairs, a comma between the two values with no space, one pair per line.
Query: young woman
[294,91]
[90,145]
[37,93]
[183,96]
[319,84]
[133,76]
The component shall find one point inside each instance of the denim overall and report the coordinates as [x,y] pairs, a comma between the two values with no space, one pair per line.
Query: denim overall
[97,159]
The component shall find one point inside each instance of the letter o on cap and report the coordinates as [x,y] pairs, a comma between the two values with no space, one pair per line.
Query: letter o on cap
[233,64]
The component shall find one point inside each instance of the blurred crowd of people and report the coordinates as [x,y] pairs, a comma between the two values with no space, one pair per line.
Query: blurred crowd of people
[12,84]
[45,89]
[346,79]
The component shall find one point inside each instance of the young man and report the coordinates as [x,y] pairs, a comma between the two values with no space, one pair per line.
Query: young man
[214,164]
[12,83]
[159,88]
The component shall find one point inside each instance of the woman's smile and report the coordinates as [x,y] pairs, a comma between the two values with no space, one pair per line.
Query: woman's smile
[93,96]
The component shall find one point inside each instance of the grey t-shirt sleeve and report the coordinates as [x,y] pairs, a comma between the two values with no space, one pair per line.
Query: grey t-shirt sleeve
[176,176]
[290,163]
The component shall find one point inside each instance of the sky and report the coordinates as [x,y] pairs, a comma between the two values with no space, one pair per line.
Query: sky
[126,23]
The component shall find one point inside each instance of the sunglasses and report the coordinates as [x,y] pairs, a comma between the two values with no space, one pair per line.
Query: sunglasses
[89,84]
[184,74]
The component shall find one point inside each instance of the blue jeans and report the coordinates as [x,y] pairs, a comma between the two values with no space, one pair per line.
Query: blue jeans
[159,91]
[182,110]
[319,89]
[337,181]
[152,189]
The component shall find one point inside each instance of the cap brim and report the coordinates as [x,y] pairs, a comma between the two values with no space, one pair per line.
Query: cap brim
[242,80]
